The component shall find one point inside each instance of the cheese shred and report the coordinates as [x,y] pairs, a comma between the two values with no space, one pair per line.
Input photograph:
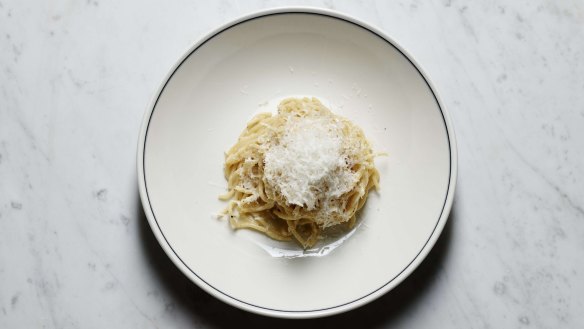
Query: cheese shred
[293,174]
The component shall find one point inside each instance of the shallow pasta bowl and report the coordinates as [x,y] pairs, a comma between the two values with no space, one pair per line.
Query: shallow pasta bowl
[247,66]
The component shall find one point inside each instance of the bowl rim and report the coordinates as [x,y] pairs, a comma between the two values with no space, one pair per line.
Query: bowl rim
[449,198]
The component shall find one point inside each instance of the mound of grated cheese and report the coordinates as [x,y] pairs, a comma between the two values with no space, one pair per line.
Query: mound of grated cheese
[307,165]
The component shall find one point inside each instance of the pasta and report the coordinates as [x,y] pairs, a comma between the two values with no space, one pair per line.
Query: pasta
[296,173]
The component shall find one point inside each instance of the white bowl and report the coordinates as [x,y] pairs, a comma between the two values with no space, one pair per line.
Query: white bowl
[247,66]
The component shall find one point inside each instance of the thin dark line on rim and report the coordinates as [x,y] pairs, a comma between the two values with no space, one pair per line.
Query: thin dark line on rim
[303,13]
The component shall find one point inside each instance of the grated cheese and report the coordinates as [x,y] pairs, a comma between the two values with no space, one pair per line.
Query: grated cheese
[307,165]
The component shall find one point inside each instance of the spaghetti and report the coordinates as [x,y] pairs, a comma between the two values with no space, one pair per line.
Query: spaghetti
[293,174]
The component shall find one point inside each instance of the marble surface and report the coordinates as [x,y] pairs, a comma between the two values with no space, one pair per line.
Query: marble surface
[77,76]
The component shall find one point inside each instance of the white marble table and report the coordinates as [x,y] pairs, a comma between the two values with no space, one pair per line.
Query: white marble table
[76,78]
